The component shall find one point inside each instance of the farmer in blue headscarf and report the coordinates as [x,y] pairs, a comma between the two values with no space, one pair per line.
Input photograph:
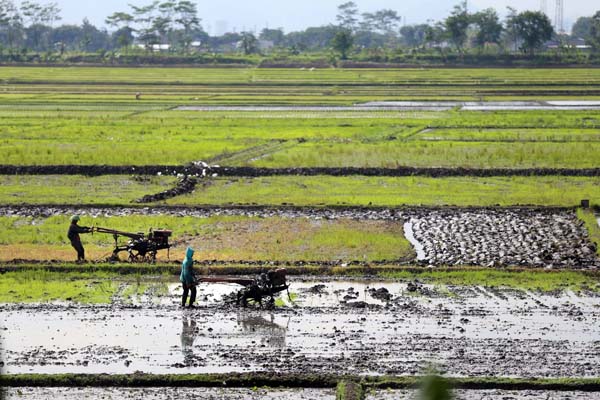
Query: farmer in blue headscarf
[188,278]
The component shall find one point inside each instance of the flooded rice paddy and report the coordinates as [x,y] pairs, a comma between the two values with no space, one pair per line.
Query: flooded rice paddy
[355,327]
[168,393]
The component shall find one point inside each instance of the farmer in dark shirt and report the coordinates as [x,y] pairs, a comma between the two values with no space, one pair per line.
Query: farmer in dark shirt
[73,235]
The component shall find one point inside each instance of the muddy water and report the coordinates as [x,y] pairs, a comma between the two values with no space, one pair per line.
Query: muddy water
[489,395]
[166,393]
[359,327]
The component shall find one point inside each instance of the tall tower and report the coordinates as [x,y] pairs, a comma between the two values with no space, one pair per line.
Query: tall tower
[559,22]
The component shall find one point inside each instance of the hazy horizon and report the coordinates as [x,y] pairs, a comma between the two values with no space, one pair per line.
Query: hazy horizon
[254,16]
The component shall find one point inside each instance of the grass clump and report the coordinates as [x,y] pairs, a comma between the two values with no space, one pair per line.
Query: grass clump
[95,287]
[592,223]
[42,286]
[541,281]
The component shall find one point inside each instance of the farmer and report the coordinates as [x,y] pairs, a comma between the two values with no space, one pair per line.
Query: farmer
[73,235]
[188,278]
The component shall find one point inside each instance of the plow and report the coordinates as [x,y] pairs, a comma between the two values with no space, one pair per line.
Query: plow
[140,247]
[264,287]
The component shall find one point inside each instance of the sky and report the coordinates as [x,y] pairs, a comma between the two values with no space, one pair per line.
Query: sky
[296,15]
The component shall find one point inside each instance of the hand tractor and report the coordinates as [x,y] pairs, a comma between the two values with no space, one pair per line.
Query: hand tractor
[264,287]
[140,247]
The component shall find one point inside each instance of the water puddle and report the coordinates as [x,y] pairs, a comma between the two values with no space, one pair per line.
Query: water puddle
[574,103]
[410,236]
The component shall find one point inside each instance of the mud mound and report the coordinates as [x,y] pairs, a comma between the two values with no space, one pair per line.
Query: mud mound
[184,186]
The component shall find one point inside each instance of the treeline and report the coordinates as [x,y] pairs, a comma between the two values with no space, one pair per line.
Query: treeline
[30,31]
[460,32]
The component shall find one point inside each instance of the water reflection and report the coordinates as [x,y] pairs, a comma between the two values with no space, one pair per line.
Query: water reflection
[271,333]
[188,335]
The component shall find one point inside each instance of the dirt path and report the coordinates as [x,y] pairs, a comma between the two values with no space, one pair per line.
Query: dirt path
[355,327]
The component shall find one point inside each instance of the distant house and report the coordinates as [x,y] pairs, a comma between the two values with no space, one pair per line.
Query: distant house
[574,43]
[264,45]
[156,48]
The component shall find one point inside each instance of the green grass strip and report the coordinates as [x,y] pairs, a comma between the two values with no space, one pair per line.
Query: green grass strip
[290,381]
[97,284]
[483,383]
[390,192]
[176,380]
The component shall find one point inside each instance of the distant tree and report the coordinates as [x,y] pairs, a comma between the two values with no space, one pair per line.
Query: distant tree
[511,36]
[435,34]
[273,35]
[186,16]
[229,38]
[93,39]
[581,28]
[66,37]
[384,21]
[123,36]
[457,24]
[36,13]
[533,28]
[249,43]
[144,17]
[39,19]
[489,28]
[347,16]
[342,42]
[369,39]
[318,37]
[595,32]
[414,35]
[10,21]
[163,23]
[119,19]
